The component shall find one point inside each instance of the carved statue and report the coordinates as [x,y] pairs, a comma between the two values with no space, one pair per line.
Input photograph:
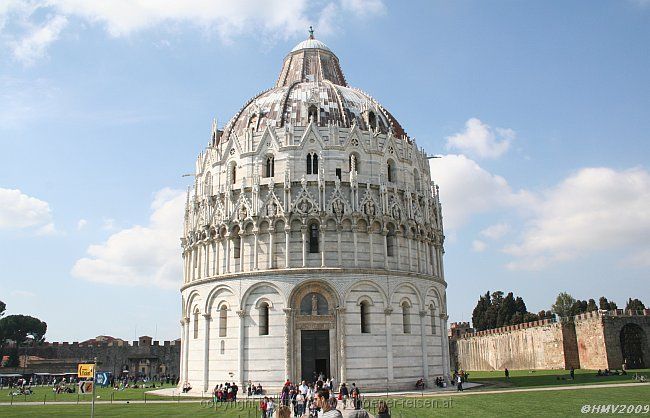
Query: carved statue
[369,208]
[243,213]
[271,209]
[338,208]
[314,304]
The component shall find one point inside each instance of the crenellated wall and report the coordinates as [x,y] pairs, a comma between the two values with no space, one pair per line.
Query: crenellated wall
[590,341]
[114,357]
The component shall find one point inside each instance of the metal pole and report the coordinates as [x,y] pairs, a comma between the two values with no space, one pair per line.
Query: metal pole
[92,404]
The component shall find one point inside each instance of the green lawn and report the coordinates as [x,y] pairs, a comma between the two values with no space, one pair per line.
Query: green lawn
[554,403]
[132,410]
[525,378]
[560,403]
[45,392]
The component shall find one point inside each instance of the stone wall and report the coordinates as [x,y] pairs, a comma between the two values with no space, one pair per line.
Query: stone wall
[63,357]
[534,345]
[590,341]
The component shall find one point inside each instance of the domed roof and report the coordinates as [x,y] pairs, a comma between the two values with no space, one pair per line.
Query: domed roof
[311,83]
[311,43]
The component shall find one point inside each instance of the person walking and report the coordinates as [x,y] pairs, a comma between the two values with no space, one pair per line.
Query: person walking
[344,394]
[507,372]
[356,393]
[459,383]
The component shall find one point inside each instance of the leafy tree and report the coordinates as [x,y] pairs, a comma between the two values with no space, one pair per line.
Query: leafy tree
[479,319]
[591,306]
[507,309]
[563,306]
[21,328]
[3,307]
[634,305]
[605,305]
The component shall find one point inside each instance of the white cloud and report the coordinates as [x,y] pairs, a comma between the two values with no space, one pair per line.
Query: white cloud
[478,246]
[33,46]
[17,210]
[108,224]
[480,140]
[466,189]
[594,209]
[269,19]
[22,294]
[496,231]
[141,255]
[81,224]
[364,7]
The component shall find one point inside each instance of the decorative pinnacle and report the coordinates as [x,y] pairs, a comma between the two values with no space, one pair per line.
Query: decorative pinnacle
[311,33]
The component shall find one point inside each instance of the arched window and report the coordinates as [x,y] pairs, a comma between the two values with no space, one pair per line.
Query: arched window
[312,163]
[390,170]
[390,241]
[313,114]
[365,317]
[432,312]
[233,173]
[308,163]
[372,120]
[416,180]
[196,323]
[269,169]
[313,238]
[252,122]
[223,321]
[406,317]
[264,319]
[236,245]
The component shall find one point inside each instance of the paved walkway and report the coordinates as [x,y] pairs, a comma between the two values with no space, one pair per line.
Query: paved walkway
[348,412]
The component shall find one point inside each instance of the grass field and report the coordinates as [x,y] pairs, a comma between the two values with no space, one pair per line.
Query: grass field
[525,378]
[555,403]
[45,393]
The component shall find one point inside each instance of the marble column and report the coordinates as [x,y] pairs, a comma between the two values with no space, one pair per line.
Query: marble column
[409,238]
[217,259]
[186,348]
[240,360]
[354,237]
[341,331]
[227,251]
[338,244]
[322,246]
[286,248]
[399,250]
[271,253]
[206,353]
[241,251]
[372,251]
[388,312]
[288,349]
[423,340]
[445,347]
[182,354]
[304,245]
[255,250]
[385,234]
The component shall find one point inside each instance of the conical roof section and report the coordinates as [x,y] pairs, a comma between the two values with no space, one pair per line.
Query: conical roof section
[310,60]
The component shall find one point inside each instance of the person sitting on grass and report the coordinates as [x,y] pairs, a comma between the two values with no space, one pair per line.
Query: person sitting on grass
[419,385]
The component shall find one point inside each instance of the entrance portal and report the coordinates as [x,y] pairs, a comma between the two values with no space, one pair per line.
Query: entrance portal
[633,346]
[315,354]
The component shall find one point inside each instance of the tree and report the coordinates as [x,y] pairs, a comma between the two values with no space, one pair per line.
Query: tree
[3,306]
[479,314]
[563,305]
[493,310]
[605,305]
[634,305]
[591,306]
[21,329]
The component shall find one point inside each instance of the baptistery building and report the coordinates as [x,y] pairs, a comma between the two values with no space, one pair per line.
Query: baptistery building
[313,241]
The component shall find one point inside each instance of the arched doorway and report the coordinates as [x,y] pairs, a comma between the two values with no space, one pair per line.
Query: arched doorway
[634,346]
[316,331]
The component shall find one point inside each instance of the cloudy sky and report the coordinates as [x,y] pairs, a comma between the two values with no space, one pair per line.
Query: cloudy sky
[541,111]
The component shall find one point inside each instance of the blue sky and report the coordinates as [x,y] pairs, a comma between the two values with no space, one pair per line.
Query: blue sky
[540,109]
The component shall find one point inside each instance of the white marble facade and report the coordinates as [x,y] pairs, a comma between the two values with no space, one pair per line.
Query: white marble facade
[313,215]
